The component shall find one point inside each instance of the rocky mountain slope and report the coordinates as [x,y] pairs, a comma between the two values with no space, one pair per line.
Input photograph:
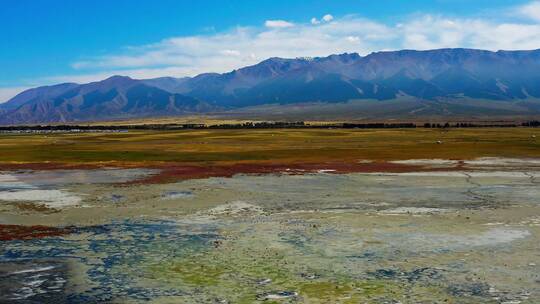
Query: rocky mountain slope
[426,76]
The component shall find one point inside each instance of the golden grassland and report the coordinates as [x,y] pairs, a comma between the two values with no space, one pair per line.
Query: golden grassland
[208,120]
[195,119]
[284,146]
[215,120]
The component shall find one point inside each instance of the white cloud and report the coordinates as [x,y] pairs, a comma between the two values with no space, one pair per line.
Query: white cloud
[429,32]
[10,92]
[237,47]
[325,18]
[230,52]
[530,10]
[278,24]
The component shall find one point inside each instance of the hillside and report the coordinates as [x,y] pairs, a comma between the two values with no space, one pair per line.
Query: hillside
[444,82]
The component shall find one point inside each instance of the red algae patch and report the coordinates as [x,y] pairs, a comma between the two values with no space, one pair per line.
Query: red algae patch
[173,172]
[19,232]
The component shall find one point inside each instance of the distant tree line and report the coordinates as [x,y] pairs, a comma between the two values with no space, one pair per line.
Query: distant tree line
[532,123]
[257,125]
[378,125]
[470,125]
[261,125]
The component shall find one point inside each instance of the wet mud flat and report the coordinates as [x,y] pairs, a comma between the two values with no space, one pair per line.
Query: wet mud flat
[466,235]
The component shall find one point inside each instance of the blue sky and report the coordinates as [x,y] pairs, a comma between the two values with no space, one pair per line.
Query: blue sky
[46,42]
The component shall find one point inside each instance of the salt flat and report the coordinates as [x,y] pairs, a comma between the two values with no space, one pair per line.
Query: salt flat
[457,236]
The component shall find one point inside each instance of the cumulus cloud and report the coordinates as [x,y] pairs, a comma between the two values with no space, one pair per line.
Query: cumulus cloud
[530,10]
[240,46]
[325,18]
[278,24]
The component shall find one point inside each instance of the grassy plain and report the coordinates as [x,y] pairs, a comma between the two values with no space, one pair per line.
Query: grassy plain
[276,146]
[456,237]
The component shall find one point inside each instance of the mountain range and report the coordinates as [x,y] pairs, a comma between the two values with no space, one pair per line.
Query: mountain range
[444,81]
